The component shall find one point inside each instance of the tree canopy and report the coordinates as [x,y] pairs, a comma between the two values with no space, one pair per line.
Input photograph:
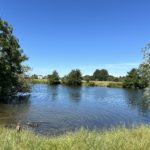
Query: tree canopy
[54,78]
[74,78]
[134,80]
[11,59]
[145,67]
[100,75]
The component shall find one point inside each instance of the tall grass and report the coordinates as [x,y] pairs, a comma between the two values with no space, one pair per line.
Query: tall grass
[137,138]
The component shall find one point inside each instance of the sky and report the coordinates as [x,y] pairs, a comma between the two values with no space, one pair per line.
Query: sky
[86,34]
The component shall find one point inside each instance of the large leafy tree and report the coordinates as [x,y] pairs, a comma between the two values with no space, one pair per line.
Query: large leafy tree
[54,78]
[133,79]
[11,59]
[100,75]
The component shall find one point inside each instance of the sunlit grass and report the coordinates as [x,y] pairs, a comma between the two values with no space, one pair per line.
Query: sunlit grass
[137,138]
[38,81]
[103,83]
[91,83]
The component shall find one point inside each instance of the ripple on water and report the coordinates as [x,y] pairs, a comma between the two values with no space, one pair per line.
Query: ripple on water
[59,108]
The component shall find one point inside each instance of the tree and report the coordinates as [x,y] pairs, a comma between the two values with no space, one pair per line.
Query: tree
[134,80]
[74,78]
[145,67]
[54,78]
[11,58]
[100,75]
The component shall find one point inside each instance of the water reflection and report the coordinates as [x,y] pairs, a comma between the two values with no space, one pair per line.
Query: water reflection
[136,100]
[53,91]
[20,99]
[11,111]
[74,93]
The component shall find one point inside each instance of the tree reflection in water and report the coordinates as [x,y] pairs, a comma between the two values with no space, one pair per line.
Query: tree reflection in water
[138,100]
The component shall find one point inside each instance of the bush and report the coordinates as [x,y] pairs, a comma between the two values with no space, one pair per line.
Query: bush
[74,78]
[54,78]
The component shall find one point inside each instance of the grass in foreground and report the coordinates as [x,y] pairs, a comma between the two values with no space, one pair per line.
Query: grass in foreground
[137,138]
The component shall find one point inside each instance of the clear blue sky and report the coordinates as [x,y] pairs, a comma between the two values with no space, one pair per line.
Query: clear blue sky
[84,34]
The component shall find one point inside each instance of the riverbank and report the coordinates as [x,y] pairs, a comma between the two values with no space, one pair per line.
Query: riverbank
[103,84]
[90,83]
[136,138]
[37,81]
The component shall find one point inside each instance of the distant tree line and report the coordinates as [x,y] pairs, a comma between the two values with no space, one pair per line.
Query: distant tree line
[136,78]
[102,75]
[75,78]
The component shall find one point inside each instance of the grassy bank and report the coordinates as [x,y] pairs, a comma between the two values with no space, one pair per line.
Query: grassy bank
[137,138]
[37,81]
[103,84]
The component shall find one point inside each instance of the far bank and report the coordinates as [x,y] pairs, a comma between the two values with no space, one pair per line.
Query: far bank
[84,83]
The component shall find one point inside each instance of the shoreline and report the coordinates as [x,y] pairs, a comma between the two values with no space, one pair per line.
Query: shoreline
[84,83]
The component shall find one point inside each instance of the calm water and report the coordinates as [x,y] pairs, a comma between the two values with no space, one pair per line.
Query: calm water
[58,109]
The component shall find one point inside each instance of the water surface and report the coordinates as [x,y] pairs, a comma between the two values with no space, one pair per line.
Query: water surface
[58,109]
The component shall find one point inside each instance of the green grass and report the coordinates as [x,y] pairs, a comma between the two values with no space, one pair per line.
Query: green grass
[115,84]
[137,138]
[103,84]
[91,83]
[37,81]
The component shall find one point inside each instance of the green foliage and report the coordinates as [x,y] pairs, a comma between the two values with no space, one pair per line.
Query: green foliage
[74,78]
[90,83]
[37,81]
[140,78]
[136,138]
[100,75]
[115,84]
[115,79]
[11,58]
[54,78]
[134,80]
[87,78]
[145,68]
